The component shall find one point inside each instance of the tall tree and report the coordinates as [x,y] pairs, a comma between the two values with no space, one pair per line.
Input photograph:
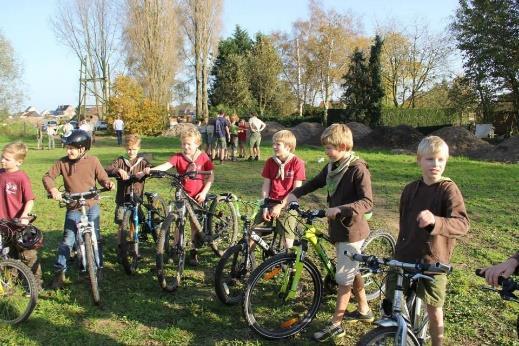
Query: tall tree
[264,70]
[233,90]
[10,74]
[487,32]
[356,87]
[153,40]
[376,90]
[202,25]
[90,28]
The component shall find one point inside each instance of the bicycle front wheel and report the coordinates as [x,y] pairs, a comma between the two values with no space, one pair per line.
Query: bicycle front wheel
[92,268]
[270,308]
[232,272]
[385,336]
[223,224]
[381,244]
[128,247]
[18,292]
[419,318]
[169,274]
[159,212]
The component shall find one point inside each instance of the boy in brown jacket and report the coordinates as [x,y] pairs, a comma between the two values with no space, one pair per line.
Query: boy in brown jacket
[80,172]
[432,217]
[348,182]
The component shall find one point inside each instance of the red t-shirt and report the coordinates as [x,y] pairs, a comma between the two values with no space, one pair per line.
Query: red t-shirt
[242,132]
[294,170]
[15,191]
[202,163]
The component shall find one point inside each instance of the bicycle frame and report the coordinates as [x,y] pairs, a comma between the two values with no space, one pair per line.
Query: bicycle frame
[82,227]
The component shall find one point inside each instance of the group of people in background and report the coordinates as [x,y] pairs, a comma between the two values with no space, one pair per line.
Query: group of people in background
[227,137]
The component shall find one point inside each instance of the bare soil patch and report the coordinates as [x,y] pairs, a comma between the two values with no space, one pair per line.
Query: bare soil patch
[462,142]
[506,151]
[308,133]
[272,127]
[358,130]
[387,137]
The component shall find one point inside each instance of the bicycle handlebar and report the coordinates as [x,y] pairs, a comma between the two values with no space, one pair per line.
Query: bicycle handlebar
[70,197]
[508,284]
[374,262]
[307,214]
[190,174]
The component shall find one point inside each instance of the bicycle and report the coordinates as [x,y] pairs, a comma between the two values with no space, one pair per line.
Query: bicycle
[18,287]
[284,293]
[235,265]
[402,324]
[216,219]
[86,242]
[508,287]
[133,219]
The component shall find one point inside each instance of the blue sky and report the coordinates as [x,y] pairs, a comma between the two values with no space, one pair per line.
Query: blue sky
[51,70]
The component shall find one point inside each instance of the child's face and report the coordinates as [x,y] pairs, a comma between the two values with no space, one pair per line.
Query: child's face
[334,153]
[9,163]
[432,166]
[281,150]
[74,153]
[132,151]
[189,146]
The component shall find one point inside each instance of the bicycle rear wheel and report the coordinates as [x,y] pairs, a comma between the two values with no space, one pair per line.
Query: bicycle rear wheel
[91,268]
[268,309]
[169,274]
[128,247]
[232,272]
[18,292]
[381,244]
[385,336]
[223,224]
[159,212]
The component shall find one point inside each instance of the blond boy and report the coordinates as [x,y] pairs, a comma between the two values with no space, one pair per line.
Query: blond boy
[432,217]
[348,184]
[191,159]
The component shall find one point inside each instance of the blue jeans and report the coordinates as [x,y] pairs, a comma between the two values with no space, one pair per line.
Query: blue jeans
[72,217]
[119,135]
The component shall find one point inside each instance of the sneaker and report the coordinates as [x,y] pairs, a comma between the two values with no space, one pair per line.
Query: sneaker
[356,316]
[330,331]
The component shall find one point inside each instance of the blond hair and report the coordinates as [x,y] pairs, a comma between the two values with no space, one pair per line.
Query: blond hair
[286,137]
[337,135]
[18,149]
[133,139]
[431,145]
[191,132]
[234,117]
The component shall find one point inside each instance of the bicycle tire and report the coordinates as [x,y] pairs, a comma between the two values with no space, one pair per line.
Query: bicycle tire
[385,336]
[232,272]
[18,292]
[381,244]
[128,247]
[222,222]
[158,215]
[164,254]
[265,308]
[92,268]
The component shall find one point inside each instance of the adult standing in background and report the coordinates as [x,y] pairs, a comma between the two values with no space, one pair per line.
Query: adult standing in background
[222,135]
[118,128]
[87,127]
[256,126]
[39,134]
[51,132]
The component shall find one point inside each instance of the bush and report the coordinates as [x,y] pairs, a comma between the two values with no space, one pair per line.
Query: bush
[419,117]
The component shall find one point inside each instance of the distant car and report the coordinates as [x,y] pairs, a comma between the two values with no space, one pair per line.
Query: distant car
[101,125]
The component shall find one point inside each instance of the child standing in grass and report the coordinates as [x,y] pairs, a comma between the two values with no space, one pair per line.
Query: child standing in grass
[282,173]
[348,183]
[17,199]
[191,159]
[123,168]
[432,217]
[80,173]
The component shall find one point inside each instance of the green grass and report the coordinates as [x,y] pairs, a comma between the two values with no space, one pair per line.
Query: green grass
[135,311]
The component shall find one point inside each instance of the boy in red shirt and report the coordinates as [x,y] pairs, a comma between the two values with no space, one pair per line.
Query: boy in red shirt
[17,199]
[282,173]
[191,159]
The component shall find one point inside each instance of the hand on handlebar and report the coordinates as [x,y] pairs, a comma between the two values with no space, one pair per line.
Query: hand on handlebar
[123,174]
[56,194]
[331,213]
[504,269]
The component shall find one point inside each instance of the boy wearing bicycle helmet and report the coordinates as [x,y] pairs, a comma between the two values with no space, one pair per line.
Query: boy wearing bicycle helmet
[432,218]
[17,200]
[348,183]
[191,159]
[282,173]
[80,172]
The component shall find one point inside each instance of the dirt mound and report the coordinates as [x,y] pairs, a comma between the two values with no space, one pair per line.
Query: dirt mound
[308,133]
[462,142]
[358,130]
[272,127]
[506,151]
[176,130]
[386,137]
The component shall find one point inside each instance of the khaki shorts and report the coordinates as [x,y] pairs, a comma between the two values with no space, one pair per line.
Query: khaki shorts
[431,292]
[221,142]
[285,224]
[346,267]
[255,139]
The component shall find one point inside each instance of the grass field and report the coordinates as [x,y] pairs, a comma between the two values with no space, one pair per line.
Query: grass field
[135,311]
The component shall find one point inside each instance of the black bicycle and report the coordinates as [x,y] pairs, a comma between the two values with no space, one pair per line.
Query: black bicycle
[141,218]
[233,269]
[216,220]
